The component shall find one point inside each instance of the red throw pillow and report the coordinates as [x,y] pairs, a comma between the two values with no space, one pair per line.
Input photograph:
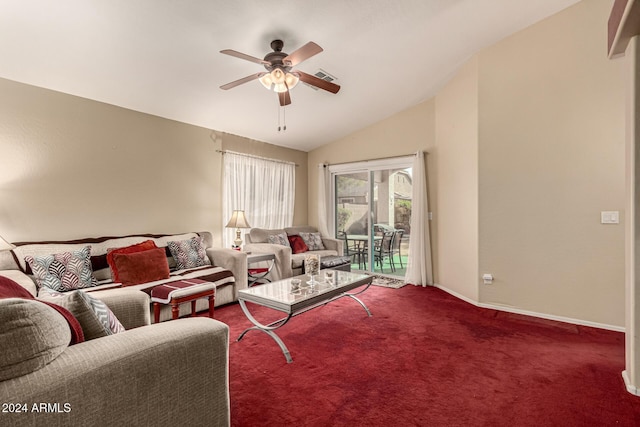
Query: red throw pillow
[11,289]
[141,267]
[138,247]
[298,245]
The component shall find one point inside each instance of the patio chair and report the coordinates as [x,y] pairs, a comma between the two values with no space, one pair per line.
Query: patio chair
[383,250]
[395,247]
[355,249]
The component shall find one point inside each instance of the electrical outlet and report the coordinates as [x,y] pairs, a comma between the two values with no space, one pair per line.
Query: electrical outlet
[610,217]
[487,279]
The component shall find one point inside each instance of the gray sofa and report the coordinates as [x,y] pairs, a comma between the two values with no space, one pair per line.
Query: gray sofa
[12,264]
[288,264]
[165,374]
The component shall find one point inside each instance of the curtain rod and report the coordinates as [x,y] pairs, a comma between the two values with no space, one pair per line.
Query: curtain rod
[372,160]
[253,156]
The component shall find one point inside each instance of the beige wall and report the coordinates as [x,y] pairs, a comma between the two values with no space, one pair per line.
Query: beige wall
[456,174]
[632,223]
[72,167]
[402,134]
[526,148]
[551,158]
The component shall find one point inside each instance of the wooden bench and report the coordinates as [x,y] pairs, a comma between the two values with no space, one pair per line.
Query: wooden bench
[181,291]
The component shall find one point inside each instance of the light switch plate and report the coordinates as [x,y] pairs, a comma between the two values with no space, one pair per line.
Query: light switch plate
[610,217]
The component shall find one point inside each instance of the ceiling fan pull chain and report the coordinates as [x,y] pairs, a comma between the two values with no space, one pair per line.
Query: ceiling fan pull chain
[282,123]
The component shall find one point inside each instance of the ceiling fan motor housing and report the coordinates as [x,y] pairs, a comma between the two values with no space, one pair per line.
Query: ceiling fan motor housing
[275,58]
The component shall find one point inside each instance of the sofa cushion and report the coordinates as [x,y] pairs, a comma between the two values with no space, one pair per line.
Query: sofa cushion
[313,241]
[138,247]
[32,335]
[261,235]
[63,271]
[189,253]
[297,260]
[141,267]
[297,229]
[279,239]
[96,319]
[298,246]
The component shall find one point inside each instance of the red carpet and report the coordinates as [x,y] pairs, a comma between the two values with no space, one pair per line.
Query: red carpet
[425,358]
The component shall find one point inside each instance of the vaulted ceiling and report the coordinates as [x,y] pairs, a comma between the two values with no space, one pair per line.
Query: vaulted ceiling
[162,56]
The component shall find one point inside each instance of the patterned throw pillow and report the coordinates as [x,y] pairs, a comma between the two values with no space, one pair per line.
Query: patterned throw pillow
[65,271]
[189,253]
[96,319]
[279,239]
[313,241]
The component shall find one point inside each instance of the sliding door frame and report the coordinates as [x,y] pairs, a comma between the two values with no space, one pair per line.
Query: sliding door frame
[367,166]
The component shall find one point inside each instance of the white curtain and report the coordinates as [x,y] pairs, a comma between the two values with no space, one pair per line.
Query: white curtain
[419,268]
[263,188]
[323,199]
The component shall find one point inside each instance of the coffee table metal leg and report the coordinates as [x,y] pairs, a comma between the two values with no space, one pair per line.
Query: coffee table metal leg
[359,302]
[352,296]
[267,329]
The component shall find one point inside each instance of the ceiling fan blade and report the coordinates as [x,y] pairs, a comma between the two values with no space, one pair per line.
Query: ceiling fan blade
[242,81]
[244,56]
[319,83]
[285,98]
[305,52]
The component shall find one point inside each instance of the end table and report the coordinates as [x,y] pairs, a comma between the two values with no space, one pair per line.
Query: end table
[257,275]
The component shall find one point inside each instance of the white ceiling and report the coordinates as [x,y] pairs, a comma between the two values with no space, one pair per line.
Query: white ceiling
[162,56]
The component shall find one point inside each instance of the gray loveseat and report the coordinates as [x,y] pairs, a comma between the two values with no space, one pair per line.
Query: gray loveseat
[288,264]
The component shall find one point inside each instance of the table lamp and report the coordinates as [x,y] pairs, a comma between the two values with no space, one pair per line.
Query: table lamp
[238,221]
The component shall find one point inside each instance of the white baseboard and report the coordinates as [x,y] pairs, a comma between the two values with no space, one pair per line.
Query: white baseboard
[630,387]
[532,313]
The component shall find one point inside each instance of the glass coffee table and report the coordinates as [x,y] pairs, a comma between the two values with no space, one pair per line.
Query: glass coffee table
[280,296]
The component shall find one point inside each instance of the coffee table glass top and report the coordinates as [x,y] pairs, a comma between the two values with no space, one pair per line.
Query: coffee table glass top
[279,294]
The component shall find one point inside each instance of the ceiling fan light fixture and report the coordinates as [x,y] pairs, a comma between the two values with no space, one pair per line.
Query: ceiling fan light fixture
[291,80]
[279,81]
[280,87]
[266,81]
[278,76]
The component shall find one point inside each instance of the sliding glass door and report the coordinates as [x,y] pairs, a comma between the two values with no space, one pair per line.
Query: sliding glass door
[372,213]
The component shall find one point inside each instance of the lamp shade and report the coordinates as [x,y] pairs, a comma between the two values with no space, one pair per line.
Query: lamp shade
[238,220]
[4,245]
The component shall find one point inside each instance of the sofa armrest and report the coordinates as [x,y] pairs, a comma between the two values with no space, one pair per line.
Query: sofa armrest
[334,244]
[171,373]
[130,306]
[234,261]
[282,268]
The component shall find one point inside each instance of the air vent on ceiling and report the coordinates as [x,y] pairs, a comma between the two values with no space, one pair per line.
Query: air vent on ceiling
[322,74]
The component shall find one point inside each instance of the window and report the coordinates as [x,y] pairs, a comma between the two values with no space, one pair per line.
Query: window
[263,188]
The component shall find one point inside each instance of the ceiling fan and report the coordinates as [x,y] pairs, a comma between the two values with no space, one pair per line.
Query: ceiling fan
[280,75]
